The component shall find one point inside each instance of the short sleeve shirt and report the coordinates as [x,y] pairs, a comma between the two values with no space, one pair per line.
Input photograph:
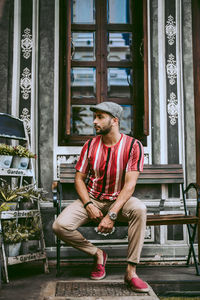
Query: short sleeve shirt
[106,166]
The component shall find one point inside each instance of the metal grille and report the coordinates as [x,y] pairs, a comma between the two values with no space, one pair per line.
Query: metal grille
[93,289]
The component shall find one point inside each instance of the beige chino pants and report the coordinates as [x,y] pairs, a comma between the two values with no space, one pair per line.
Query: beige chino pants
[75,215]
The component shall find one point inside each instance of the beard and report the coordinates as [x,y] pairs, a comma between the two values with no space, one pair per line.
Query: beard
[103,131]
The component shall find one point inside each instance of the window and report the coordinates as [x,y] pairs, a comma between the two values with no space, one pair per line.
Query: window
[103,57]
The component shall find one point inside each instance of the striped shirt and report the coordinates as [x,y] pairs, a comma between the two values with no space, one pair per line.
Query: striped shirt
[107,166]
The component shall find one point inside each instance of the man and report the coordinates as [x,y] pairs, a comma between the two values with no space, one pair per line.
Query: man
[113,162]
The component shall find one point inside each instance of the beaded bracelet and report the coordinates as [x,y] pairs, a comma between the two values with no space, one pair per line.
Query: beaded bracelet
[86,204]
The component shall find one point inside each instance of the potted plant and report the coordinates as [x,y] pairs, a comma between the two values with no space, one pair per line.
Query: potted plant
[21,157]
[12,196]
[12,236]
[6,155]
[8,196]
[24,235]
[32,228]
[29,197]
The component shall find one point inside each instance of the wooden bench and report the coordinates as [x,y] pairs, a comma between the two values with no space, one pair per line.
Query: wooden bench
[152,174]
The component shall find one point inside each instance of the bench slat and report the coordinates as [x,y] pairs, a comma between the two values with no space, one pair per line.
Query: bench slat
[168,219]
[171,219]
[152,174]
[158,180]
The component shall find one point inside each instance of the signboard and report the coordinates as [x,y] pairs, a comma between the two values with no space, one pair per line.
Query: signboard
[19,214]
[25,258]
[16,172]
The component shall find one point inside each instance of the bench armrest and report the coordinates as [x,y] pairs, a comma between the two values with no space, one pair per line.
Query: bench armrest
[194,186]
[54,189]
[197,188]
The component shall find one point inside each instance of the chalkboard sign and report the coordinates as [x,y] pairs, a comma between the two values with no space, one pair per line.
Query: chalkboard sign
[11,127]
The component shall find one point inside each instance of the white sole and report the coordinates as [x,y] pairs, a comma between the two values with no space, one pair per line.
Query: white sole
[98,278]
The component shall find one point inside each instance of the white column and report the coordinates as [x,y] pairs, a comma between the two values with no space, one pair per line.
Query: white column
[16,58]
[34,88]
[149,137]
[162,81]
[56,88]
[162,90]
[180,93]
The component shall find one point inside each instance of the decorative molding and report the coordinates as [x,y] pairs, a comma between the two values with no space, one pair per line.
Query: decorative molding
[149,234]
[25,83]
[68,159]
[26,43]
[26,117]
[104,234]
[146,158]
[172,108]
[170,29]
[171,69]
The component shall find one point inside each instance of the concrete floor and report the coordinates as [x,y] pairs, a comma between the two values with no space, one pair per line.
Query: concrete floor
[27,280]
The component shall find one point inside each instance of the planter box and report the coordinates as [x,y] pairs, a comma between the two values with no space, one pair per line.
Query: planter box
[5,161]
[29,246]
[27,205]
[20,162]
[12,249]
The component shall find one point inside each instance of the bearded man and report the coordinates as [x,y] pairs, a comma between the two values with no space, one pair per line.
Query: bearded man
[112,161]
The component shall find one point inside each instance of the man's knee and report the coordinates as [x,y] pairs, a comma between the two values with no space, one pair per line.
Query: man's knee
[58,226]
[140,209]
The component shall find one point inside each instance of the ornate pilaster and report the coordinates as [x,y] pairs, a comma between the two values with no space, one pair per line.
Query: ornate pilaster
[26,63]
[172,107]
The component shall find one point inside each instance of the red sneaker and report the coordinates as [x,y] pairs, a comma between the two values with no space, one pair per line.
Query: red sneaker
[99,271]
[137,284]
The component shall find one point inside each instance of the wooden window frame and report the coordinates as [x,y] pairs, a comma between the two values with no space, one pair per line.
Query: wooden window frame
[140,67]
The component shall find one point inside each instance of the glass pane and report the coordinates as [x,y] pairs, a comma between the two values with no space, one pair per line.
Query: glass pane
[83,82]
[119,82]
[119,11]
[127,120]
[82,120]
[83,11]
[83,46]
[119,46]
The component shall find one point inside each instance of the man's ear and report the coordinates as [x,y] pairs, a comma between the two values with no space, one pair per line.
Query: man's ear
[116,121]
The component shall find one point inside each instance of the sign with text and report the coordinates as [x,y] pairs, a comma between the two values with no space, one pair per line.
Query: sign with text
[16,172]
[19,214]
[25,258]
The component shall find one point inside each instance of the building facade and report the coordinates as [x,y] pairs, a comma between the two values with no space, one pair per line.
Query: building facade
[52,69]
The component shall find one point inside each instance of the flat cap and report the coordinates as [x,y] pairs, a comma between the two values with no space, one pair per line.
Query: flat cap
[111,108]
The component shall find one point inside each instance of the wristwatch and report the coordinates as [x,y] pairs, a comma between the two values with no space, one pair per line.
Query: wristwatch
[112,215]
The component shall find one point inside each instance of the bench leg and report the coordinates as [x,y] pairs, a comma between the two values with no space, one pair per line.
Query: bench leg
[189,226]
[58,257]
[192,250]
[58,242]
[193,237]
